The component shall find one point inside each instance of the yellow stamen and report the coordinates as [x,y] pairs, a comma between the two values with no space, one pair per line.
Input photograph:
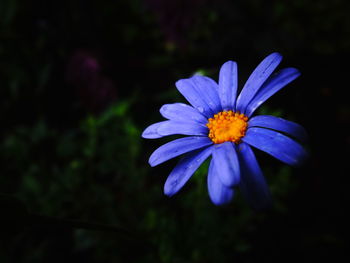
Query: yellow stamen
[227,126]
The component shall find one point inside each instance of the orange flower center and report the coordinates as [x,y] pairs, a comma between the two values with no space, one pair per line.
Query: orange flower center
[227,126]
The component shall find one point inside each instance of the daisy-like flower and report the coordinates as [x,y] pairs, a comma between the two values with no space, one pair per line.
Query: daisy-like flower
[220,126]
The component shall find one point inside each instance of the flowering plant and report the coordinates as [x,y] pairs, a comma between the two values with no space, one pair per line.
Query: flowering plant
[219,124]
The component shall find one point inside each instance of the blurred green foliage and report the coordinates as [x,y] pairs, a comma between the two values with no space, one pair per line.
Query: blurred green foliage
[96,173]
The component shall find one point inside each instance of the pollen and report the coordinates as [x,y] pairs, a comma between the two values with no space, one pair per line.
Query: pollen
[227,126]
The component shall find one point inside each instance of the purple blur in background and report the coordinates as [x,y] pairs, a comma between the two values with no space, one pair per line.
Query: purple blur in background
[84,74]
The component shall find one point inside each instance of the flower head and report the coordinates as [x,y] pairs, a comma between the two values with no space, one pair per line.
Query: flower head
[220,126]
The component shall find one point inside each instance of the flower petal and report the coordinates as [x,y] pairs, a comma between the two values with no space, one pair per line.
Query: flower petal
[253,184]
[228,85]
[182,112]
[208,89]
[271,122]
[188,89]
[270,87]
[218,192]
[257,79]
[180,127]
[151,131]
[226,162]
[176,148]
[276,144]
[184,170]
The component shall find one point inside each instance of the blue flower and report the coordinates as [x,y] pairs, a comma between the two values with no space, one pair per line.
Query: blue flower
[219,124]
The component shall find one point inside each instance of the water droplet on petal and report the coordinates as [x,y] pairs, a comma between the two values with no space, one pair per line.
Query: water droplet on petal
[200,109]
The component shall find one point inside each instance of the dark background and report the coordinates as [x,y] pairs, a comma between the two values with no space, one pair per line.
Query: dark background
[80,80]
